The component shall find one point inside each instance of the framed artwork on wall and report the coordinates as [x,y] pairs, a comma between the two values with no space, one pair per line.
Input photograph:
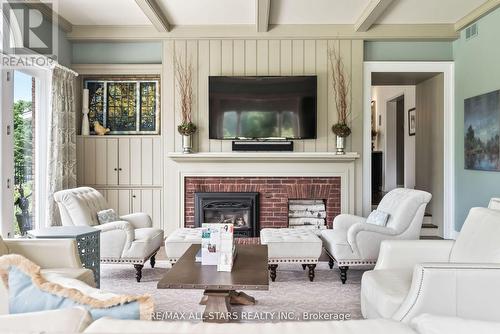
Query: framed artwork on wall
[482,132]
[412,122]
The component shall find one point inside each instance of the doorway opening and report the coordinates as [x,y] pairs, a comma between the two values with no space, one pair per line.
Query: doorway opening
[410,140]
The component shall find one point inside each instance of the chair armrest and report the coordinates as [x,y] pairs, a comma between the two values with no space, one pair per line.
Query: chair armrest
[345,221]
[466,290]
[365,239]
[138,219]
[405,254]
[358,228]
[47,253]
[125,228]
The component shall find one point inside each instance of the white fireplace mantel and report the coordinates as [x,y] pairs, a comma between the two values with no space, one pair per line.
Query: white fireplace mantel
[264,157]
[254,164]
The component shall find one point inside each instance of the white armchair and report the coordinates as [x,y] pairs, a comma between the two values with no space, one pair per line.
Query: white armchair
[132,239]
[352,242]
[451,278]
[56,257]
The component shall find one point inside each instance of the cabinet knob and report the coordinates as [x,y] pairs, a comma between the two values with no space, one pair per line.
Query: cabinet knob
[119,169]
[115,169]
[133,196]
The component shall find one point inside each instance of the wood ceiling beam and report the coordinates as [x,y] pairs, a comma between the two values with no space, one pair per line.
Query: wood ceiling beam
[50,14]
[476,14]
[280,31]
[371,13]
[155,14]
[262,10]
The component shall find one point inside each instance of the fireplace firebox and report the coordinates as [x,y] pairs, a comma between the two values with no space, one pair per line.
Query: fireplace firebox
[238,208]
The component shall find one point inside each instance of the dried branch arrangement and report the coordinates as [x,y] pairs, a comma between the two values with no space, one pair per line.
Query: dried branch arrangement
[341,86]
[184,75]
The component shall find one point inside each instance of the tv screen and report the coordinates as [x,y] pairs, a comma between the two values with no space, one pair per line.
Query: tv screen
[262,107]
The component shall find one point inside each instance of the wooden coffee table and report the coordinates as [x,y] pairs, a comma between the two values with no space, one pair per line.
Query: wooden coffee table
[250,272]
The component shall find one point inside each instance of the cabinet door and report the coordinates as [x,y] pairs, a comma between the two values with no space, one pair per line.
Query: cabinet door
[101,161]
[89,167]
[136,161]
[136,200]
[124,201]
[112,162]
[148,200]
[124,161]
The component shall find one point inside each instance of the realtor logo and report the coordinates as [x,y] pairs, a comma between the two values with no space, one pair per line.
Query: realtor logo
[27,27]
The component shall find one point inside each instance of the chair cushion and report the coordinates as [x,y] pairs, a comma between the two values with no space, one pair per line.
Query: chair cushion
[3,247]
[178,242]
[290,243]
[147,241]
[479,238]
[335,242]
[385,290]
[84,275]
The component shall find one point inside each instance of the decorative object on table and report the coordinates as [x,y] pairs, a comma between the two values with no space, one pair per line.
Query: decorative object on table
[412,122]
[128,105]
[99,129]
[482,132]
[184,74]
[227,250]
[87,239]
[24,218]
[25,279]
[341,87]
[210,242]
[85,112]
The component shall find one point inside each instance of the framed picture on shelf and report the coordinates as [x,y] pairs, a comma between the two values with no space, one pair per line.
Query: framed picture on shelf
[412,122]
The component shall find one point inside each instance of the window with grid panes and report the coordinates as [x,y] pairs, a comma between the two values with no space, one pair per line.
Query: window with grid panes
[124,106]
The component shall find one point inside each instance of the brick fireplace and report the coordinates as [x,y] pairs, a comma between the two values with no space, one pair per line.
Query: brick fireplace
[274,194]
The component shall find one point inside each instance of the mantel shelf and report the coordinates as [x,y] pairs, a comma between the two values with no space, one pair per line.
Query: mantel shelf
[264,157]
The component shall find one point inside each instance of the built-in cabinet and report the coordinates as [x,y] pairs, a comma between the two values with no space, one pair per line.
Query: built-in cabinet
[127,170]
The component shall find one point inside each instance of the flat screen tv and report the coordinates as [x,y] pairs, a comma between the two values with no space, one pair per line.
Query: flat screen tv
[262,107]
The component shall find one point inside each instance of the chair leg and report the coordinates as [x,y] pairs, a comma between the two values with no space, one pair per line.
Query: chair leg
[272,271]
[343,273]
[331,263]
[152,260]
[311,271]
[138,271]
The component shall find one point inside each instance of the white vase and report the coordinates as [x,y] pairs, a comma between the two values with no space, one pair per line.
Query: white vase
[341,145]
[187,146]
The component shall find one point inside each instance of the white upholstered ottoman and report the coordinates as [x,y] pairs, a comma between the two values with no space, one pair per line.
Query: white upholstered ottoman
[288,245]
[178,242]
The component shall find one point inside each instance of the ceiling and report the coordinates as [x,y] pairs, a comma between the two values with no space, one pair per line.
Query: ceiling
[231,12]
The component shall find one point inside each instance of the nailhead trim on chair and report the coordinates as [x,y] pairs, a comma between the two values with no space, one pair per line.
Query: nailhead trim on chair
[356,262]
[292,260]
[114,260]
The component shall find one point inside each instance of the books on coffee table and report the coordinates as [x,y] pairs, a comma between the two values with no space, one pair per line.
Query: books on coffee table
[217,246]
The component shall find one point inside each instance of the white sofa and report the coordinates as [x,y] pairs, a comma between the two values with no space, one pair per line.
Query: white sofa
[132,239]
[455,278]
[56,257]
[353,243]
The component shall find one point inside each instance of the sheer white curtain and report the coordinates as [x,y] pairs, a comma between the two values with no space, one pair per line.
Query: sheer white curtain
[61,162]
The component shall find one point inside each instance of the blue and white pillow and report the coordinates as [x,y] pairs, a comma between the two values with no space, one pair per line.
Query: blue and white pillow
[107,216]
[29,291]
[378,217]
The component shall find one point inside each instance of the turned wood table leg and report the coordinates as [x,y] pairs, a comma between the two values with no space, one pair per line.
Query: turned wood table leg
[304,266]
[272,271]
[331,263]
[152,260]
[138,271]
[311,271]
[343,273]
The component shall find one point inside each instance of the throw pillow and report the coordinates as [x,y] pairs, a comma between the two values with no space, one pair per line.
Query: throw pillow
[29,291]
[107,216]
[378,217]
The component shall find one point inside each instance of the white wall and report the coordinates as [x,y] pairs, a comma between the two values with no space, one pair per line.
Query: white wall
[386,140]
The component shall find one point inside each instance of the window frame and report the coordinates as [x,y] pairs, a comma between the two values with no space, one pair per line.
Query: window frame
[106,81]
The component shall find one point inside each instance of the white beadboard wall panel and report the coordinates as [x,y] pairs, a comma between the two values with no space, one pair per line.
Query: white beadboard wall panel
[261,57]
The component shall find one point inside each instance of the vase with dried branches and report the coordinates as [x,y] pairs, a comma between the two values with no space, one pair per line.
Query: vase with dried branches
[340,87]
[184,74]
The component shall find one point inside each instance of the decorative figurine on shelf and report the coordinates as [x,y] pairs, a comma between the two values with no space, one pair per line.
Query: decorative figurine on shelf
[85,112]
[99,129]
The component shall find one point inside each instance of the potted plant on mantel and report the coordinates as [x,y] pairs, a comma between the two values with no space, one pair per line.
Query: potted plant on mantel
[340,90]
[184,84]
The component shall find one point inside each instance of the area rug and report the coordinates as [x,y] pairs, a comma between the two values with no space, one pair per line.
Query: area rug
[291,297]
